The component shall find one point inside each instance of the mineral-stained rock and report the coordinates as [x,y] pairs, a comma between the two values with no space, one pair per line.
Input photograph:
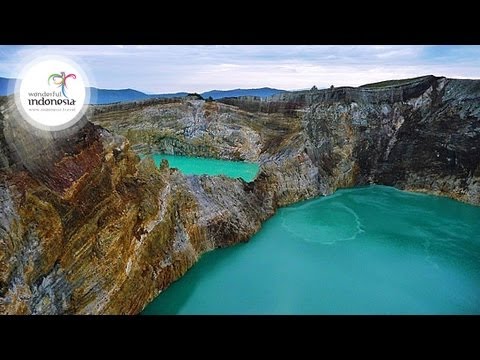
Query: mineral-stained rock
[195,126]
[425,136]
[86,227]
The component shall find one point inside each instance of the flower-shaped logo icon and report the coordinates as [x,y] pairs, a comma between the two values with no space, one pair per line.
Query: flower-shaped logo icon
[61,81]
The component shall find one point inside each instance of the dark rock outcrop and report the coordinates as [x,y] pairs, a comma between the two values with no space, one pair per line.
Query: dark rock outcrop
[422,135]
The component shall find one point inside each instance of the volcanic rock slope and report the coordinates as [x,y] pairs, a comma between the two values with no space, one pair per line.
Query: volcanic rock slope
[86,227]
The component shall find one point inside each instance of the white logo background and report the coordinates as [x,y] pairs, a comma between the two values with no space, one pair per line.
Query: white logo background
[34,79]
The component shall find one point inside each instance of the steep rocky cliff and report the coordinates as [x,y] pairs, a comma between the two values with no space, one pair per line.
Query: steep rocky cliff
[421,135]
[194,126]
[88,227]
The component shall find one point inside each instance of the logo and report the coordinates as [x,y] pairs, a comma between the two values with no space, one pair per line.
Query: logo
[61,80]
[52,93]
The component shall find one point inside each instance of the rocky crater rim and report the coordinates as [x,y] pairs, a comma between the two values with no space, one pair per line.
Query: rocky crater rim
[377,86]
[86,227]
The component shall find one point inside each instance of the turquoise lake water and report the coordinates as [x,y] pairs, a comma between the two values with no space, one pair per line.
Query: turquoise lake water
[199,166]
[371,250]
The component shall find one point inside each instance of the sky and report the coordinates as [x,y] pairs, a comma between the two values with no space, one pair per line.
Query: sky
[198,68]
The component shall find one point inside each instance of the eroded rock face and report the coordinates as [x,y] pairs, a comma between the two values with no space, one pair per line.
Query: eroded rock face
[197,127]
[424,137]
[88,228]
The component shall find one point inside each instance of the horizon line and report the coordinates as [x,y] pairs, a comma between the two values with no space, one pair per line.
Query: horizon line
[266,87]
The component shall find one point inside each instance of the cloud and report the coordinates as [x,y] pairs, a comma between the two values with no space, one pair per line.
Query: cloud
[172,68]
